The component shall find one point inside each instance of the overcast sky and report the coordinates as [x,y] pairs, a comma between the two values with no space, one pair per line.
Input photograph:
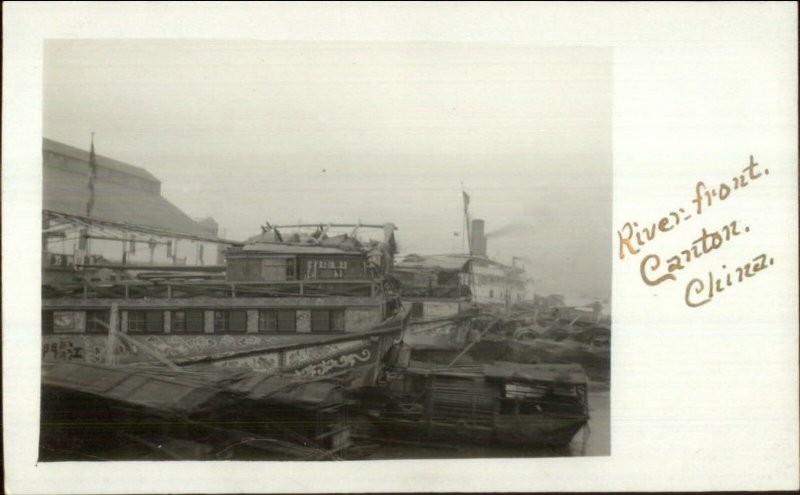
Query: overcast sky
[248,132]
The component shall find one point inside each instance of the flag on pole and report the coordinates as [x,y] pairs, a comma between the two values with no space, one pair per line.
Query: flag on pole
[466,200]
[92,176]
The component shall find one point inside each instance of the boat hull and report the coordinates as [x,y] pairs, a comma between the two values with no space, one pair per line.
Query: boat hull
[543,431]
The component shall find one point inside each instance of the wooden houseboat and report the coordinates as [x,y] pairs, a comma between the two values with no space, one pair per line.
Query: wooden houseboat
[497,403]
[308,304]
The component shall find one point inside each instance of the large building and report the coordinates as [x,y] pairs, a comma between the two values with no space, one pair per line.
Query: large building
[98,211]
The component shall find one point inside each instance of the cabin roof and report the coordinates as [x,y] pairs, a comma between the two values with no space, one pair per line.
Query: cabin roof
[184,391]
[285,248]
[166,392]
[290,389]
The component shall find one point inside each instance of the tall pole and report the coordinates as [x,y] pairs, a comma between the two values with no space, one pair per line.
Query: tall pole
[92,177]
[465,197]
[464,233]
[471,275]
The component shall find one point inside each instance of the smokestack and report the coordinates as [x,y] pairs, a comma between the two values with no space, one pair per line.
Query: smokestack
[478,240]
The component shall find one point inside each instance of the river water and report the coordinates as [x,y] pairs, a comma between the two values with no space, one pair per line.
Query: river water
[594,442]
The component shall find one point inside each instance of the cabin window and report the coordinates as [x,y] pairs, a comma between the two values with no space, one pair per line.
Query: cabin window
[97,321]
[277,321]
[145,321]
[187,321]
[520,391]
[327,320]
[47,322]
[136,321]
[177,322]
[230,320]
[222,320]
[69,321]
[417,310]
[491,292]
[326,269]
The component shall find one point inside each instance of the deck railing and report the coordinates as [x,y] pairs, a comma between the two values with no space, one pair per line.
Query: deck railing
[136,289]
[436,292]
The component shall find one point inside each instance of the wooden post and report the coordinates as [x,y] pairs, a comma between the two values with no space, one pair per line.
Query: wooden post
[471,344]
[149,350]
[130,340]
[111,341]
[281,360]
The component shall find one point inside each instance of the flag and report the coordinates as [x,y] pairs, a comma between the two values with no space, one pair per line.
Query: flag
[466,200]
[92,176]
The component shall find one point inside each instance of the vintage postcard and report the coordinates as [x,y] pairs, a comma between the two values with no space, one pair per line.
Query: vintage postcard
[400,247]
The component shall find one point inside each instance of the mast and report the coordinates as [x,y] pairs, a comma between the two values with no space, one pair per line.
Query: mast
[470,276]
[465,197]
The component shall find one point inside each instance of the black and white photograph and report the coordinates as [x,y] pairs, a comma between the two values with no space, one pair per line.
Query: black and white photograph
[324,251]
[400,247]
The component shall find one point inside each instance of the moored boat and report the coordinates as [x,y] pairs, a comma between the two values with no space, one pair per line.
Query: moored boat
[315,304]
[501,402]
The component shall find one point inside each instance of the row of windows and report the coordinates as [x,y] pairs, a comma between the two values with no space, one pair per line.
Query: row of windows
[193,321]
[171,252]
[503,294]
[498,280]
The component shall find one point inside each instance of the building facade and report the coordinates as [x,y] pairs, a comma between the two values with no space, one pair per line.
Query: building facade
[496,283]
[115,215]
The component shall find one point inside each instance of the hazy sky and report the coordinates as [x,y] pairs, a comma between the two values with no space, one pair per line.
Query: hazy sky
[248,132]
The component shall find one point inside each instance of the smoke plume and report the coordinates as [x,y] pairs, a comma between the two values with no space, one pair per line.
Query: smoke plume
[513,229]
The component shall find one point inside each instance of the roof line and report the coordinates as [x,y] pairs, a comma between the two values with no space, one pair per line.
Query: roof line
[68,150]
[140,228]
[323,224]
